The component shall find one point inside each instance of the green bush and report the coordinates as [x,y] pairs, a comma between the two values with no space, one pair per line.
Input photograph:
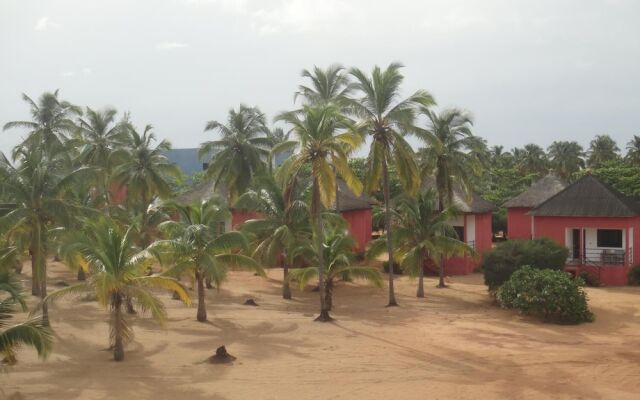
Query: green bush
[634,275]
[509,256]
[591,280]
[552,295]
[396,268]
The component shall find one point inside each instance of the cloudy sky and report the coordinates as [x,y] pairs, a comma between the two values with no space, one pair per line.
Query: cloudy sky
[529,71]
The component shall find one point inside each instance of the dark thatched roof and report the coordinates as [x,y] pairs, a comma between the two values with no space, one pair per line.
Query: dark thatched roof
[348,201]
[472,203]
[201,192]
[588,197]
[540,191]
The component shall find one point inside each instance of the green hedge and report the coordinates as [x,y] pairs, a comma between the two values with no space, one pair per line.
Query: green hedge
[634,275]
[509,256]
[552,295]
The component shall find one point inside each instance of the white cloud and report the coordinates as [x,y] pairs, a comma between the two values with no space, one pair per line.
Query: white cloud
[45,23]
[170,46]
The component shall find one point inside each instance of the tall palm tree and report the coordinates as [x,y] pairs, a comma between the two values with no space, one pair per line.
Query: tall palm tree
[633,150]
[533,160]
[36,186]
[453,155]
[240,152]
[601,150]
[387,119]
[338,264]
[566,158]
[423,233]
[283,226]
[118,272]
[329,85]
[32,333]
[325,136]
[197,246]
[51,122]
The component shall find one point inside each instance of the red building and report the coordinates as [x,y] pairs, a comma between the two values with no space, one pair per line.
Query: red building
[473,226]
[518,218]
[598,225]
[356,210]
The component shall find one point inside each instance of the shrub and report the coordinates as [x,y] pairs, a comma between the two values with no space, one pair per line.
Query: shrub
[553,295]
[507,257]
[590,279]
[634,275]
[396,268]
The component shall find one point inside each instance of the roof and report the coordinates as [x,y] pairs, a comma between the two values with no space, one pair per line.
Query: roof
[537,193]
[588,197]
[468,203]
[348,201]
[201,192]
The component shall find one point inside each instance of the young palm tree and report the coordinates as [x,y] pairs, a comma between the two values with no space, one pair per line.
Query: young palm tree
[324,149]
[241,151]
[283,226]
[32,333]
[453,155]
[633,150]
[566,158]
[423,233]
[533,160]
[197,246]
[601,150]
[51,122]
[118,272]
[387,118]
[330,85]
[337,258]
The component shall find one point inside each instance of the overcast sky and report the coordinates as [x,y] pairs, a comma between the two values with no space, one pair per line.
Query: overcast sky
[529,71]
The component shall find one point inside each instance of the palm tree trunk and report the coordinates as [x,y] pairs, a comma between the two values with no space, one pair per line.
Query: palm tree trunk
[387,216]
[329,297]
[202,310]
[130,308]
[41,269]
[441,283]
[81,275]
[286,287]
[35,287]
[319,236]
[118,345]
[420,292]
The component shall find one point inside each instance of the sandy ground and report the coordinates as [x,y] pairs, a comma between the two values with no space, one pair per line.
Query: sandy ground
[452,345]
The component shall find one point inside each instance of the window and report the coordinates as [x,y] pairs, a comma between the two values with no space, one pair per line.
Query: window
[205,166]
[460,232]
[610,238]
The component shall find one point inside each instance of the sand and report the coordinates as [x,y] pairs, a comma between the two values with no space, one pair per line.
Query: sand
[454,344]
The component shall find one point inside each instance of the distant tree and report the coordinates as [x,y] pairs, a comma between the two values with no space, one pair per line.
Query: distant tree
[329,85]
[621,175]
[602,149]
[533,160]
[633,151]
[566,159]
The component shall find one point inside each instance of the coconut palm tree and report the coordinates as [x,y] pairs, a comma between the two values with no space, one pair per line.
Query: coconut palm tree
[283,226]
[32,332]
[118,272]
[533,160]
[51,122]
[566,158]
[453,155]
[329,85]
[601,150]
[325,136]
[240,152]
[387,119]
[338,264]
[196,246]
[633,150]
[423,233]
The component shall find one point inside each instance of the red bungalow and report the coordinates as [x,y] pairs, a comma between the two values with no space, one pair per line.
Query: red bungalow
[518,218]
[473,226]
[598,225]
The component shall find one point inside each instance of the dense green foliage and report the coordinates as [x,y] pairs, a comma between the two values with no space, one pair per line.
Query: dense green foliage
[507,257]
[634,275]
[552,295]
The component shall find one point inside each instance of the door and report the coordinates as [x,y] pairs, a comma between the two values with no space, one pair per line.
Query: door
[575,248]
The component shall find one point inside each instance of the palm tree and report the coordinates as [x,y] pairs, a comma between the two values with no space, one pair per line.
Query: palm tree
[330,85]
[283,226]
[337,258]
[34,332]
[453,155]
[423,233]
[566,158]
[601,150]
[241,151]
[197,246]
[51,122]
[324,150]
[37,185]
[387,118]
[533,160]
[118,272]
[633,150]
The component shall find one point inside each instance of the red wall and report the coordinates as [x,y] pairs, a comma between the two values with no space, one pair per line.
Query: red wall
[239,217]
[483,242]
[360,227]
[518,223]
[554,228]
